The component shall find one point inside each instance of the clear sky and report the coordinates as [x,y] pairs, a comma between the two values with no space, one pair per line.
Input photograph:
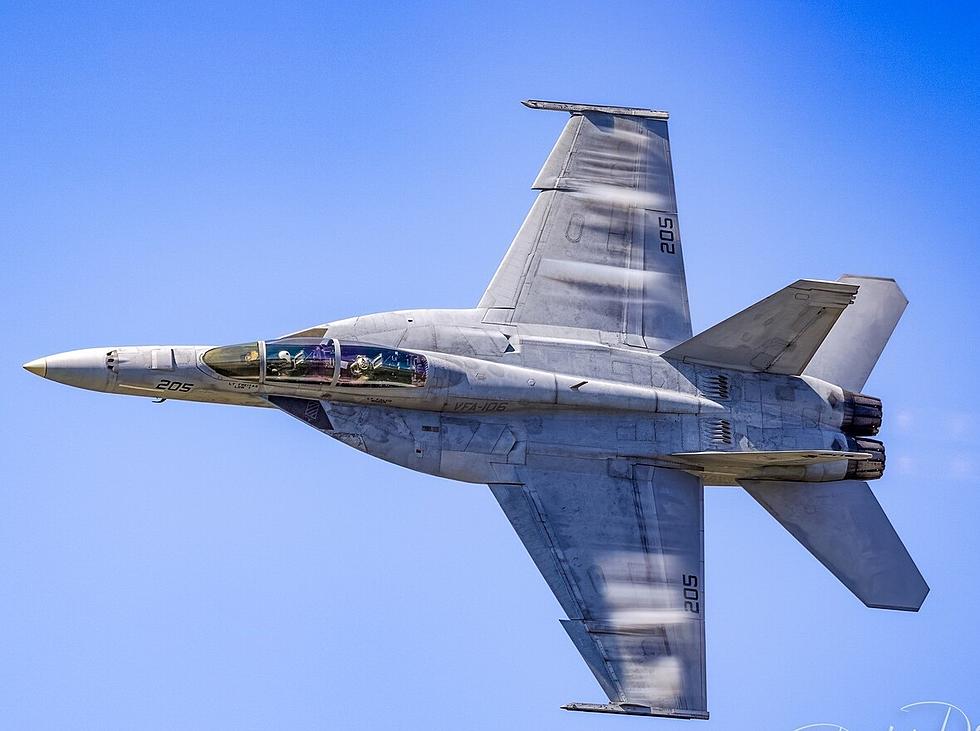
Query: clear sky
[189,174]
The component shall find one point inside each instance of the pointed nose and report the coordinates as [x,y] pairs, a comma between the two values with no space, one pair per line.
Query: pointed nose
[80,368]
[38,367]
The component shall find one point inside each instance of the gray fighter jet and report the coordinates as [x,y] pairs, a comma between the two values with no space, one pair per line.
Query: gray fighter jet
[576,391]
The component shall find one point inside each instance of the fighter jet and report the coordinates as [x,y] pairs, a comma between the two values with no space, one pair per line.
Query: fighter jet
[575,390]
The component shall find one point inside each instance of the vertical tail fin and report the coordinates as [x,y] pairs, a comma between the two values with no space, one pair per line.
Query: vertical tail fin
[849,352]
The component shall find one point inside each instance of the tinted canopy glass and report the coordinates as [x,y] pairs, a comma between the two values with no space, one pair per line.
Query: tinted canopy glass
[309,360]
[374,365]
[235,361]
[299,361]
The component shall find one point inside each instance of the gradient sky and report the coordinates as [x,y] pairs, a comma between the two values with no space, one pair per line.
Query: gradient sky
[188,174]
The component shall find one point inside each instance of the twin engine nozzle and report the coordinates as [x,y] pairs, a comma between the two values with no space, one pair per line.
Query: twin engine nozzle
[862,418]
[862,414]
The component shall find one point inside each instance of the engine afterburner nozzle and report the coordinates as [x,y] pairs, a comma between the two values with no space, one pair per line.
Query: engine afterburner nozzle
[866,469]
[862,414]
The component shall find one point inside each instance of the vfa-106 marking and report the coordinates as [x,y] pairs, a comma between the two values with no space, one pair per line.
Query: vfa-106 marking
[576,391]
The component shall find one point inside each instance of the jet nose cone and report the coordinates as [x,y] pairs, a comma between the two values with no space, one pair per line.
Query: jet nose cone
[39,367]
[80,368]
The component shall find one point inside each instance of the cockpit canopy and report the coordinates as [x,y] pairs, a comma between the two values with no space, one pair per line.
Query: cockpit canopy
[235,361]
[327,363]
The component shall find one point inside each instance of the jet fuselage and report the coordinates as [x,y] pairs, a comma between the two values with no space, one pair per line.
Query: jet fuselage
[429,389]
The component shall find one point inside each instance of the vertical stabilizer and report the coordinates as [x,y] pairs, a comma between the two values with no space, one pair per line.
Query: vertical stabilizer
[849,353]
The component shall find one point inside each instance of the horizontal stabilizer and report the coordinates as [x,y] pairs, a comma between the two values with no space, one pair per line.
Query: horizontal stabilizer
[780,334]
[852,348]
[843,525]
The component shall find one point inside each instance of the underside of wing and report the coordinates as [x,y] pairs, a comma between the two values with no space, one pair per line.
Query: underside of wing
[600,249]
[624,556]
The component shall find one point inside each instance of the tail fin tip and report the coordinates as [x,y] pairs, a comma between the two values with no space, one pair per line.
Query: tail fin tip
[850,351]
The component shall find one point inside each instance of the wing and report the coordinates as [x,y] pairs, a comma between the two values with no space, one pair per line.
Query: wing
[624,555]
[601,247]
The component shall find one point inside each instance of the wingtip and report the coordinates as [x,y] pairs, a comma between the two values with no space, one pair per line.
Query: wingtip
[575,108]
[636,709]
[912,605]
[893,607]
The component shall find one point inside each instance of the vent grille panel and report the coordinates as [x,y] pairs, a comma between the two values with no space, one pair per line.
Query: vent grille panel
[717,431]
[715,385]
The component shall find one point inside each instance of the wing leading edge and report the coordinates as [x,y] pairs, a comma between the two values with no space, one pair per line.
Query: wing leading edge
[624,555]
[600,249]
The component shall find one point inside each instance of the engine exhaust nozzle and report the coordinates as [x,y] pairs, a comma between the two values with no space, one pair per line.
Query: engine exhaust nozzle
[862,414]
[866,469]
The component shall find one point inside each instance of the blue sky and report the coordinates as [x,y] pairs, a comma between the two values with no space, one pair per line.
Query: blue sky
[188,174]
